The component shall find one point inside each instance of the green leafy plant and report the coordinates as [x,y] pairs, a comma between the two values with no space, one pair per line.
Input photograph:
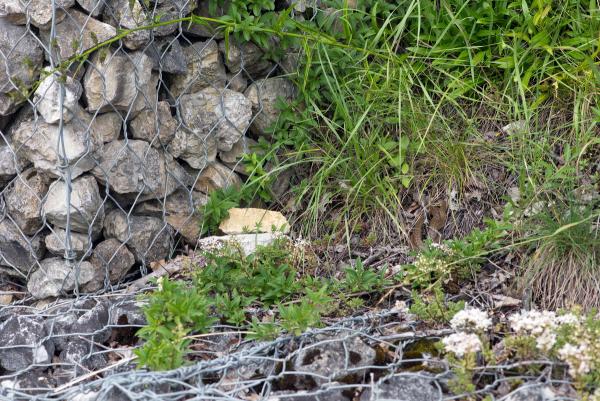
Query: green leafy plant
[357,278]
[217,208]
[172,313]
[435,308]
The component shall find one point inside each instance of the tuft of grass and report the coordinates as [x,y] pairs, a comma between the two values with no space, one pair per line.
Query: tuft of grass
[564,269]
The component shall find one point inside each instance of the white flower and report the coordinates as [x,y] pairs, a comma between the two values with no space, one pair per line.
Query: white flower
[400,307]
[462,343]
[546,340]
[532,322]
[159,283]
[471,319]
[577,357]
[567,318]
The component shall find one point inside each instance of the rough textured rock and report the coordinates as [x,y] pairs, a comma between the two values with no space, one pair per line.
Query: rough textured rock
[9,165]
[79,243]
[24,200]
[133,167]
[195,148]
[108,125]
[221,114]
[181,210]
[39,12]
[204,69]
[119,81]
[535,392]
[246,57]
[408,387]
[147,237]
[126,312]
[247,243]
[128,14]
[18,48]
[155,126]
[89,319]
[60,326]
[111,260]
[83,357]
[179,202]
[22,339]
[77,33]
[170,10]
[264,95]
[55,277]
[335,359]
[18,251]
[167,55]
[86,206]
[334,394]
[39,143]
[250,220]
[216,176]
[206,30]
[237,82]
[48,98]
[93,7]
[234,159]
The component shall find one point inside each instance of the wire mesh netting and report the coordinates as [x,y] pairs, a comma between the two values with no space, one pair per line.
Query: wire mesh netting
[108,152]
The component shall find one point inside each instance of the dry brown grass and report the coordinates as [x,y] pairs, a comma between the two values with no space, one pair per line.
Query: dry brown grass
[564,269]
[562,280]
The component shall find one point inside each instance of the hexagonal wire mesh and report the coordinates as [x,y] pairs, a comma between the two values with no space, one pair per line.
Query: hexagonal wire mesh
[106,154]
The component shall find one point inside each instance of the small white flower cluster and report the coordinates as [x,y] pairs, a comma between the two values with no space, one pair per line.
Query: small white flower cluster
[401,308]
[577,357]
[427,264]
[577,353]
[540,324]
[471,320]
[442,247]
[462,343]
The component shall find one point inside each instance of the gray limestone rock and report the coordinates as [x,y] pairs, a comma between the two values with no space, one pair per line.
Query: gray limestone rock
[221,114]
[246,57]
[167,55]
[408,387]
[78,32]
[156,127]
[111,260]
[108,125]
[56,243]
[39,12]
[129,14]
[18,251]
[55,277]
[46,146]
[333,358]
[85,210]
[148,237]
[264,95]
[93,7]
[216,176]
[24,200]
[47,98]
[204,69]
[134,170]
[121,81]
[21,59]
[23,345]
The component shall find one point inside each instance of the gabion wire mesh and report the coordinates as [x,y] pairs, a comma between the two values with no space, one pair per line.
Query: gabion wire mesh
[122,141]
[107,152]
